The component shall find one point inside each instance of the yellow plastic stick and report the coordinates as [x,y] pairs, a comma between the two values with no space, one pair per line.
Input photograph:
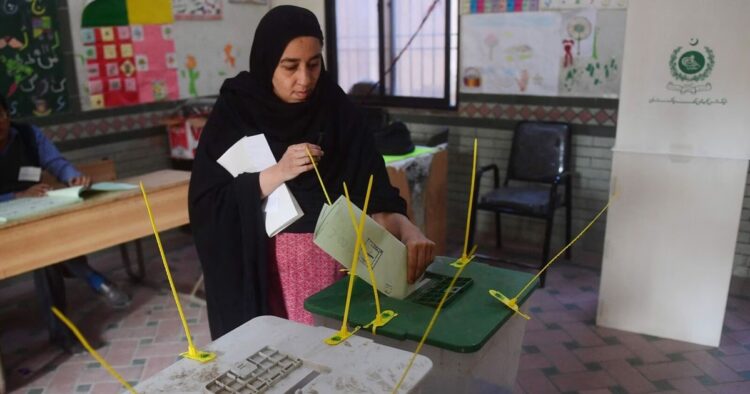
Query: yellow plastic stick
[512,303]
[192,352]
[461,263]
[91,350]
[429,326]
[591,223]
[381,318]
[344,332]
[471,199]
[315,167]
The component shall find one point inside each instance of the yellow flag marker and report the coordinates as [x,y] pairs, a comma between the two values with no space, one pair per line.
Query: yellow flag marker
[465,258]
[91,350]
[381,318]
[315,167]
[512,302]
[192,353]
[344,333]
[461,263]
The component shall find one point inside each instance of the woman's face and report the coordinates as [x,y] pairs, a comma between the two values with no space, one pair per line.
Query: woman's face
[298,70]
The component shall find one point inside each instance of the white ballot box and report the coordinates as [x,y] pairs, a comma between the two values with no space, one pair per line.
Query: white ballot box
[357,365]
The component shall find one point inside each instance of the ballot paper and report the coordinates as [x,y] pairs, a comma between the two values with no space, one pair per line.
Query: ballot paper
[252,154]
[334,234]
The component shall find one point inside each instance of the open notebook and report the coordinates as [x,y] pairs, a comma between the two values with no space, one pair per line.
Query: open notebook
[25,207]
[252,154]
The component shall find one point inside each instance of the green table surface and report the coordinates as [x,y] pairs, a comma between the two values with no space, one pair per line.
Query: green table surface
[464,325]
[418,150]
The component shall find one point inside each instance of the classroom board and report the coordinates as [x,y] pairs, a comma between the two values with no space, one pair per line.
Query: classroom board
[32,76]
[158,50]
[532,49]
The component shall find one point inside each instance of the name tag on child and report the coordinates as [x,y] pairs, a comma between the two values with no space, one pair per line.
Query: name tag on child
[30,174]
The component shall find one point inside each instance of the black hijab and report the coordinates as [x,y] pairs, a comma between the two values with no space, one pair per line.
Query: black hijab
[225,212]
[285,122]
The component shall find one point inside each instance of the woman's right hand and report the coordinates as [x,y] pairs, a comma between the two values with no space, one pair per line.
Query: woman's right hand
[296,161]
[38,190]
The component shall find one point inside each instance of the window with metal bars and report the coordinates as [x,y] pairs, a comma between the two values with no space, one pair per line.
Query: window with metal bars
[394,52]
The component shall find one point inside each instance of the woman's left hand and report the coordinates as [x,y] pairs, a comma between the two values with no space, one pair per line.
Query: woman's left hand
[420,252]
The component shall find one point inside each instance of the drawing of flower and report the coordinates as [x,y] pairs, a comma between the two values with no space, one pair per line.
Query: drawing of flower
[491,41]
[192,74]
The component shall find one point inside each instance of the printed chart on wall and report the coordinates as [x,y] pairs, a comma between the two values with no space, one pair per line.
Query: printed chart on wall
[32,77]
[546,47]
[128,50]
[142,51]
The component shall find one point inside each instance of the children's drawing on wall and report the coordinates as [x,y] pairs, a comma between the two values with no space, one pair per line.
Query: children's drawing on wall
[578,26]
[197,9]
[472,77]
[579,29]
[491,41]
[229,54]
[592,77]
[596,71]
[32,76]
[510,53]
[191,73]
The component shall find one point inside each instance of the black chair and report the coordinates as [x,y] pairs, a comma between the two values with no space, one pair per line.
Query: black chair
[539,165]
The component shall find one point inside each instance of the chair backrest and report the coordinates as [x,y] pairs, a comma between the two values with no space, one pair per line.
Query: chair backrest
[540,151]
[100,171]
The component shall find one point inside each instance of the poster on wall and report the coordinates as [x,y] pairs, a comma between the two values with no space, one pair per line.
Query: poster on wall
[592,53]
[510,53]
[482,6]
[571,52]
[685,85]
[574,4]
[173,59]
[128,52]
[197,9]
[493,6]
[596,73]
[32,76]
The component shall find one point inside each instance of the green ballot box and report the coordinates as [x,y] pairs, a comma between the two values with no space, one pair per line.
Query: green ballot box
[474,345]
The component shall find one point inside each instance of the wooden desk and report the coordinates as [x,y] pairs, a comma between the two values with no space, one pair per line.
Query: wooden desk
[99,222]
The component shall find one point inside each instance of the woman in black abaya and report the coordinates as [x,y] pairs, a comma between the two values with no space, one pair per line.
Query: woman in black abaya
[288,97]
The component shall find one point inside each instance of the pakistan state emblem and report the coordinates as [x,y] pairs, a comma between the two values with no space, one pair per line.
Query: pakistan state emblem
[690,67]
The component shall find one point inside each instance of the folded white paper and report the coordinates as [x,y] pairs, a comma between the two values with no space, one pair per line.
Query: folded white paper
[252,154]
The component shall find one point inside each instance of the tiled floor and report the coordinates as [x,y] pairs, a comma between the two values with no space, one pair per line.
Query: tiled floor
[563,352]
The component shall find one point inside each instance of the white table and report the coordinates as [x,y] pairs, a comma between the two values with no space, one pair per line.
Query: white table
[358,365]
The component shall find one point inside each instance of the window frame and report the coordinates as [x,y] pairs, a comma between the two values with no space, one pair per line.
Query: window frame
[379,96]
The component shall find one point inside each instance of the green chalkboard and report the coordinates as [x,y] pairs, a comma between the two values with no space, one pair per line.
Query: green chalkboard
[32,75]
